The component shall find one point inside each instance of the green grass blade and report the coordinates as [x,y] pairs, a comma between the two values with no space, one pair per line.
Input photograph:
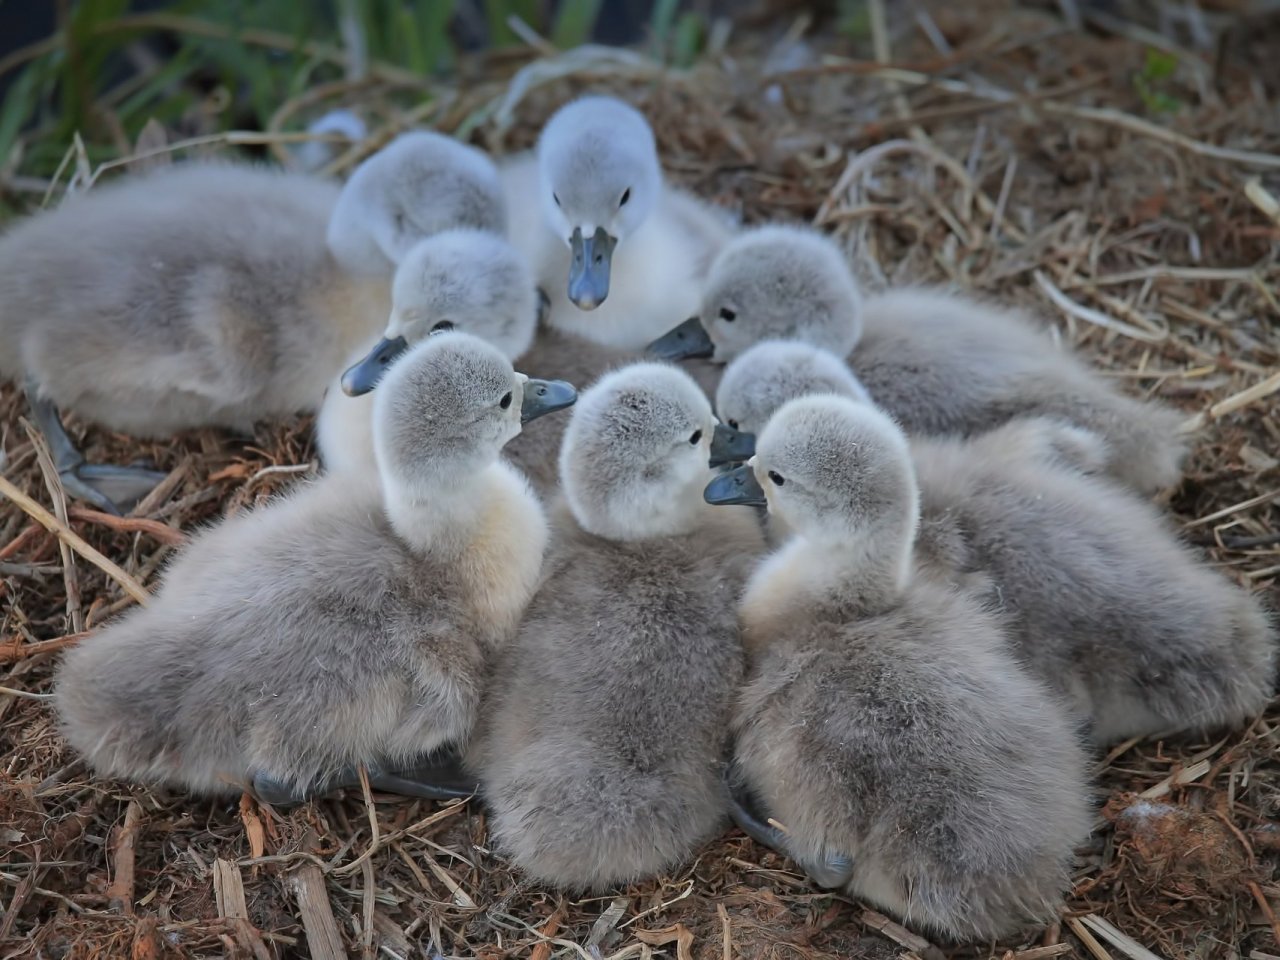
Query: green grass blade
[664,14]
[20,105]
[688,40]
[574,23]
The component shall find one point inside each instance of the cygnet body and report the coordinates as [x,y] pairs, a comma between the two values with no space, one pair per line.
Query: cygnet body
[938,363]
[348,623]
[617,252]
[864,673]
[206,294]
[200,294]
[1102,602]
[622,678]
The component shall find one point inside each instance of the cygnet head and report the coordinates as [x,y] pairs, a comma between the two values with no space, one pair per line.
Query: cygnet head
[765,377]
[600,179]
[447,409]
[418,185]
[634,458]
[771,283]
[838,473]
[467,280]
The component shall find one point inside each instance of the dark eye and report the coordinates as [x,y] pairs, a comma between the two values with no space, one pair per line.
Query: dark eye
[626,195]
[505,402]
[727,315]
[442,326]
[733,424]
[556,198]
[776,478]
[697,435]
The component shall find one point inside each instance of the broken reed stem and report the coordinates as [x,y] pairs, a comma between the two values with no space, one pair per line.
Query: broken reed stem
[324,942]
[64,533]
[370,901]
[53,483]
[152,528]
[1088,939]
[1237,401]
[10,653]
[120,893]
[542,949]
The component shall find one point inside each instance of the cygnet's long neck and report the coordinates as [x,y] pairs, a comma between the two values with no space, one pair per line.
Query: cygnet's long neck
[830,578]
[444,520]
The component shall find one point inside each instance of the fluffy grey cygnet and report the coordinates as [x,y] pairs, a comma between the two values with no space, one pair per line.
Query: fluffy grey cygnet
[1103,601]
[601,743]
[884,723]
[619,253]
[350,622]
[938,363]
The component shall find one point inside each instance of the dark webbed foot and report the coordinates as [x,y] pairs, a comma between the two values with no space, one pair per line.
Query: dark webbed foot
[434,777]
[109,488]
[834,871]
[112,488]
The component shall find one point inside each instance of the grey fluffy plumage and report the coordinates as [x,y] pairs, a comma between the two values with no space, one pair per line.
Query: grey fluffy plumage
[343,624]
[601,745]
[418,185]
[939,363]
[1102,600]
[199,294]
[865,673]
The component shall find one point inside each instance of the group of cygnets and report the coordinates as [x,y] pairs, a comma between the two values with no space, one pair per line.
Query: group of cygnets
[893,674]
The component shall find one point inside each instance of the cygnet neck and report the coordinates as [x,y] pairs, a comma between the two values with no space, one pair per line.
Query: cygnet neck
[441,521]
[829,575]
[863,576]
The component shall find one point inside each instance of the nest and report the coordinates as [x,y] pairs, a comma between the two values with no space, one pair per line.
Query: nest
[1012,155]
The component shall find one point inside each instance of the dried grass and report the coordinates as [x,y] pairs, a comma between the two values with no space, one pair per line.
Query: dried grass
[1021,166]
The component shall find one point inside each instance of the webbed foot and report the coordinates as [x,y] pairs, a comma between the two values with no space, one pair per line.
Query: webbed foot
[835,870]
[434,777]
[110,488]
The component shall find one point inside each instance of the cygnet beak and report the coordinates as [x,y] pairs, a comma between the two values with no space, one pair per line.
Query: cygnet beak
[589,272]
[688,340]
[730,446]
[364,376]
[545,396]
[738,486]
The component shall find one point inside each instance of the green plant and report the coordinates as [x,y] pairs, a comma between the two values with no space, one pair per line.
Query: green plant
[1158,67]
[254,54]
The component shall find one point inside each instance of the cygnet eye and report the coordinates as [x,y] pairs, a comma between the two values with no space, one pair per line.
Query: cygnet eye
[556,198]
[733,423]
[727,315]
[626,195]
[505,402]
[697,435]
[776,478]
[442,326]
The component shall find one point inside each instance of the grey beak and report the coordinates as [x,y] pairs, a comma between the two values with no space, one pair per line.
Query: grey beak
[589,272]
[364,376]
[683,342]
[545,396]
[739,485]
[731,446]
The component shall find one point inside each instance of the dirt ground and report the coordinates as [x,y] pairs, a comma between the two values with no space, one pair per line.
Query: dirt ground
[1133,206]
